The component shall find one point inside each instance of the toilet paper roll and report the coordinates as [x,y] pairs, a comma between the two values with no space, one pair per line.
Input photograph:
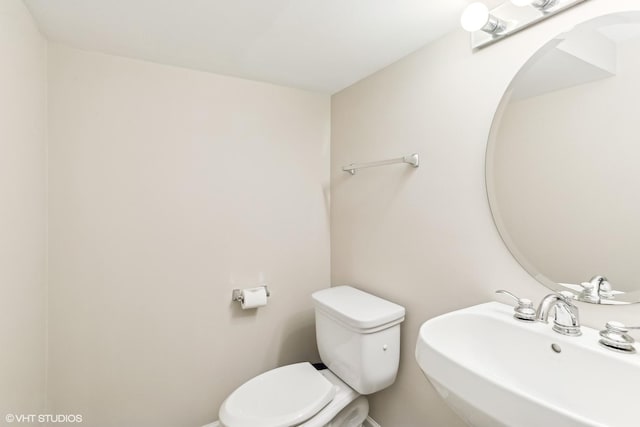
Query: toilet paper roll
[254,297]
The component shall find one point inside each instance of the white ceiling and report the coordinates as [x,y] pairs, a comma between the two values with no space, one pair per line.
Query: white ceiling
[320,45]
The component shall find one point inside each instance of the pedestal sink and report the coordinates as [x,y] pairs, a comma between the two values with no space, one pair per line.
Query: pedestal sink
[494,370]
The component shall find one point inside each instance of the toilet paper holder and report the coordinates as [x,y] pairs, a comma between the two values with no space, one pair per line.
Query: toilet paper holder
[236,294]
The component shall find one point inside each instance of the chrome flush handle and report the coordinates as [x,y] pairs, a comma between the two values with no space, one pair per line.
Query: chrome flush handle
[524,309]
[616,337]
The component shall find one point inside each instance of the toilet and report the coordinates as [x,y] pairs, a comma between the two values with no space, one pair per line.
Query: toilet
[358,336]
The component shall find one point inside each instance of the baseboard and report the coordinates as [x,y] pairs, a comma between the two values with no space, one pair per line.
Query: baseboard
[370,422]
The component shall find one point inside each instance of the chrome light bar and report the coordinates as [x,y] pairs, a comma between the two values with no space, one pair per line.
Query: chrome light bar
[513,16]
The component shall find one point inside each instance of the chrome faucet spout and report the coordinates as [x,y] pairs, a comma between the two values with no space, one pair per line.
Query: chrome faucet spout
[566,316]
[547,303]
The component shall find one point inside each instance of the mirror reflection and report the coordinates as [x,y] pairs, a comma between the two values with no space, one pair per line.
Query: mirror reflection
[563,162]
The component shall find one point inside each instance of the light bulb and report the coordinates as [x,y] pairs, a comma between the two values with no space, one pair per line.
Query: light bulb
[474,17]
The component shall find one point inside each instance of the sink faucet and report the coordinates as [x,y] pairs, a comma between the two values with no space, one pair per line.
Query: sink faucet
[595,290]
[566,319]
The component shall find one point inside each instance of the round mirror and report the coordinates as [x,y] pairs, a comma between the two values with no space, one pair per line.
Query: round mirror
[563,162]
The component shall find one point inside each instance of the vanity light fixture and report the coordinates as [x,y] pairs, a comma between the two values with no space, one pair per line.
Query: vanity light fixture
[539,4]
[489,26]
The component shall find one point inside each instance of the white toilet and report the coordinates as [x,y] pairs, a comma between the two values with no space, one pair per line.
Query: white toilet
[358,338]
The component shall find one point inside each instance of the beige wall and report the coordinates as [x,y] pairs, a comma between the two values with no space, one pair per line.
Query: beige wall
[168,188]
[425,238]
[22,211]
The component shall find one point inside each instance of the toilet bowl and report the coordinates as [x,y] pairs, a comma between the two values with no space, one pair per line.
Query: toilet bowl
[358,337]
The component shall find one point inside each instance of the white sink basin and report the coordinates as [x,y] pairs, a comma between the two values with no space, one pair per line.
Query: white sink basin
[494,370]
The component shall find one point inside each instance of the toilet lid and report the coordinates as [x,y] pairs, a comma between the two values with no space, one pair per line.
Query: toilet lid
[282,397]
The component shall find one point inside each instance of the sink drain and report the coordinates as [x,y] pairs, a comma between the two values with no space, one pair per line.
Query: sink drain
[556,348]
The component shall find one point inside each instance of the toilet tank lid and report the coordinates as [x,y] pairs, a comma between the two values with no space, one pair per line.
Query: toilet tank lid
[357,308]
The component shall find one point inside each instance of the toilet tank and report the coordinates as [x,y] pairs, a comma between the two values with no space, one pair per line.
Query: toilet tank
[358,337]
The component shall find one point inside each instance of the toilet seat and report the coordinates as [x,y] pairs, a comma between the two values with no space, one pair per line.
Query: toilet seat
[282,397]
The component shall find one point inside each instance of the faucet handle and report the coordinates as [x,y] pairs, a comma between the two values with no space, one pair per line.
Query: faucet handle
[616,337]
[524,309]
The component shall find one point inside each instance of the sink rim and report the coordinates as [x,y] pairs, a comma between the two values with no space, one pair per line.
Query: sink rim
[588,341]
[503,313]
